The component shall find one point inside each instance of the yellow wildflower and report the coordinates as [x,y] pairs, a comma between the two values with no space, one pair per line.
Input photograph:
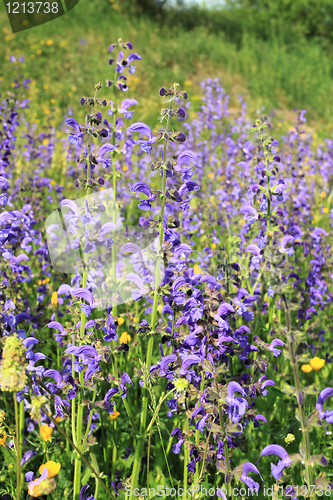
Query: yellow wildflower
[211,175]
[120,321]
[45,432]
[325,210]
[317,363]
[306,368]
[197,269]
[213,246]
[125,338]
[3,439]
[52,467]
[323,194]
[114,415]
[54,299]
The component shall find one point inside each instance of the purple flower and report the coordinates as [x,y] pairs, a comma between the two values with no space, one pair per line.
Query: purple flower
[191,359]
[272,347]
[252,485]
[237,405]
[285,460]
[327,415]
[143,188]
[288,239]
[125,105]
[143,129]
[74,137]
[177,447]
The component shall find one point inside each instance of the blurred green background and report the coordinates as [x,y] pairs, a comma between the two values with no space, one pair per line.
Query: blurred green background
[276,53]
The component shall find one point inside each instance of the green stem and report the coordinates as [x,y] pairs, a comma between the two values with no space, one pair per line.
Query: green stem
[18,449]
[114,185]
[299,395]
[186,459]
[97,476]
[89,420]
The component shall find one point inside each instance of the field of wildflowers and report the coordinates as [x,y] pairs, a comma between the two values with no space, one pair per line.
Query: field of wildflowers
[166,307]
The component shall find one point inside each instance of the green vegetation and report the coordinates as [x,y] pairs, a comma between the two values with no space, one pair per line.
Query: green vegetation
[253,50]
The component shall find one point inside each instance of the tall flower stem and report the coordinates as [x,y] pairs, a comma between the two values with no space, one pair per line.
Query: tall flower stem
[114,185]
[139,449]
[78,435]
[18,449]
[299,394]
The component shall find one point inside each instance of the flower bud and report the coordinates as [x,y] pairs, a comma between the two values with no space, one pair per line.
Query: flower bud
[181,113]
[162,91]
[12,369]
[111,61]
[181,137]
[101,181]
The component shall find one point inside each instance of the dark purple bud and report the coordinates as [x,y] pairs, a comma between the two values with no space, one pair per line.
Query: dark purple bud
[103,133]
[101,208]
[300,398]
[181,137]
[162,91]
[185,95]
[101,181]
[77,183]
[104,103]
[279,213]
[129,45]
[99,116]
[181,113]
[277,158]
[282,229]
[111,61]
[82,101]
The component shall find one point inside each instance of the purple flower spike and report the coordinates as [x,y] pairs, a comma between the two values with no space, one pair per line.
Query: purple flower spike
[285,460]
[327,415]
[252,485]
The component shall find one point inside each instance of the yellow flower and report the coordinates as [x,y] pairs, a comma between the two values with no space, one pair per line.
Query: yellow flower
[213,246]
[197,269]
[3,439]
[54,299]
[317,363]
[125,338]
[323,194]
[211,175]
[45,432]
[306,368]
[120,321]
[114,415]
[52,467]
[125,168]
[325,210]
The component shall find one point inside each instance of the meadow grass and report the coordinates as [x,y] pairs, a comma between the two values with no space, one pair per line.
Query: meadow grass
[63,57]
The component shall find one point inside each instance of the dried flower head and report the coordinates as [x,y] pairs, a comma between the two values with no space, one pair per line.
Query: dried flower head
[12,369]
